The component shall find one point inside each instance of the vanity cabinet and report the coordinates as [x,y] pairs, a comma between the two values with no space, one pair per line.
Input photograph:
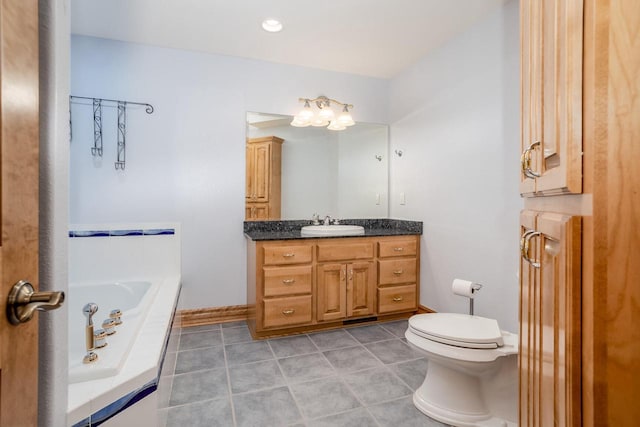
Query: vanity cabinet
[551,96]
[306,284]
[346,288]
[397,275]
[263,178]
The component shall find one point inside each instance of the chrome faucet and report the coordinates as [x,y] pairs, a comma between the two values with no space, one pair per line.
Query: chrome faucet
[327,220]
[315,219]
[89,310]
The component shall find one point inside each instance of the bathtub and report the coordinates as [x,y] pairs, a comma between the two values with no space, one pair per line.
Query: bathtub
[119,388]
[133,299]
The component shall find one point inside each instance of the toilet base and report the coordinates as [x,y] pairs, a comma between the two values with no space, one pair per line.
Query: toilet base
[454,398]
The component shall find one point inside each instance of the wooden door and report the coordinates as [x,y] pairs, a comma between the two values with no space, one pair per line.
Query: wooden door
[361,288]
[550,324]
[551,96]
[332,292]
[19,205]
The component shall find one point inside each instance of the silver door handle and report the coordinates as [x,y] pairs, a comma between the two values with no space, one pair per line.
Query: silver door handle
[23,301]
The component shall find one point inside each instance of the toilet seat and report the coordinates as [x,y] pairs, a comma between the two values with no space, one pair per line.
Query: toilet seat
[459,330]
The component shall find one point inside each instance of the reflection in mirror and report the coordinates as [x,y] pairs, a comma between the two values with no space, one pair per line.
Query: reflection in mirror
[343,174]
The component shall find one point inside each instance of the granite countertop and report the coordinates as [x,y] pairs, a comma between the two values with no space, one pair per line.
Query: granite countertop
[289,230]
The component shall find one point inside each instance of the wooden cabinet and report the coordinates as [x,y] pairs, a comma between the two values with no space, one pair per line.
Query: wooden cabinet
[296,285]
[397,274]
[286,285]
[347,288]
[551,96]
[550,324]
[263,178]
[593,41]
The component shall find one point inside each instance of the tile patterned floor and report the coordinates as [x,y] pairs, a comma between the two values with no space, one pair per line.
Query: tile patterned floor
[358,376]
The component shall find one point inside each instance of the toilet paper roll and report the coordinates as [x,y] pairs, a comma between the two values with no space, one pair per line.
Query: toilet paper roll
[463,288]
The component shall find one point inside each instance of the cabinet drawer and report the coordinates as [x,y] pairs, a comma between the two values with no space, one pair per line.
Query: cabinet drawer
[397,247]
[289,311]
[291,254]
[397,298]
[392,271]
[287,280]
[345,251]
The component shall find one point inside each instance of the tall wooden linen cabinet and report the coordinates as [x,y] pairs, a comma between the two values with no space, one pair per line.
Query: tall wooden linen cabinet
[263,179]
[579,360]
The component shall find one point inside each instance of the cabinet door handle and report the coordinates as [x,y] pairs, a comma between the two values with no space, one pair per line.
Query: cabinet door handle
[398,249]
[398,272]
[525,161]
[288,255]
[288,281]
[524,247]
[351,274]
[397,299]
[288,312]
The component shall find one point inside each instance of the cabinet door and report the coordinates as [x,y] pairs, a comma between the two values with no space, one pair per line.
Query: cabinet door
[262,168]
[361,288]
[551,96]
[550,322]
[250,173]
[332,291]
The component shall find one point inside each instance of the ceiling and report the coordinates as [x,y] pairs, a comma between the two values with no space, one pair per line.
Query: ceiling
[377,38]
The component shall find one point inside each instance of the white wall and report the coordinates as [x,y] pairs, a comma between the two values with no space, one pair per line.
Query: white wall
[185,162]
[54,29]
[454,114]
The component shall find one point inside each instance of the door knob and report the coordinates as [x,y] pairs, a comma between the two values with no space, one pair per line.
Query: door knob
[23,301]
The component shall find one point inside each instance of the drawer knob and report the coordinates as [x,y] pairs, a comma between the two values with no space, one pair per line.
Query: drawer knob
[398,249]
[397,299]
[288,255]
[288,312]
[288,281]
[397,272]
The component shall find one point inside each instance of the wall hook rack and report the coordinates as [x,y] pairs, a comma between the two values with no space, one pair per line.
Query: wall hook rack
[97,104]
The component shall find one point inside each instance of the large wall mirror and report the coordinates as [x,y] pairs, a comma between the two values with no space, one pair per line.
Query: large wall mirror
[344,174]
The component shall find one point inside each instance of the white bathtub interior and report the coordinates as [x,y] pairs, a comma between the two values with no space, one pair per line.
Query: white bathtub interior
[140,275]
[132,298]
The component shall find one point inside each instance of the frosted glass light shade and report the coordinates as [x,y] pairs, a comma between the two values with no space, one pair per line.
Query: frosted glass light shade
[345,118]
[326,113]
[319,121]
[300,122]
[335,125]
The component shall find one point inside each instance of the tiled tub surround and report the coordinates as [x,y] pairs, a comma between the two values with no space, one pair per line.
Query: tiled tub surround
[128,397]
[360,376]
[287,230]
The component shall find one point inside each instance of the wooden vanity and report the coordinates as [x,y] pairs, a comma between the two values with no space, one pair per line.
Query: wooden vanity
[306,284]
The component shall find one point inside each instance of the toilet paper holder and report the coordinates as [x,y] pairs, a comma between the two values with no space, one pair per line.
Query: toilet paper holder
[475,287]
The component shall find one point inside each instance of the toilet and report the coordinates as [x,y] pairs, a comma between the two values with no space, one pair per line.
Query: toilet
[472,375]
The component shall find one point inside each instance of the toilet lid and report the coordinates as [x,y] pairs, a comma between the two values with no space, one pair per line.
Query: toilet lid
[461,330]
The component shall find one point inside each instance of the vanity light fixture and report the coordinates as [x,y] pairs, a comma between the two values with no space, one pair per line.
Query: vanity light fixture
[272,25]
[323,115]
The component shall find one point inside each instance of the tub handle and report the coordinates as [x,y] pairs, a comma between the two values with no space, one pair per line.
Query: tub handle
[23,301]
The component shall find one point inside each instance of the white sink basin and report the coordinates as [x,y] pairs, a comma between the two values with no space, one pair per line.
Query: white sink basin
[332,230]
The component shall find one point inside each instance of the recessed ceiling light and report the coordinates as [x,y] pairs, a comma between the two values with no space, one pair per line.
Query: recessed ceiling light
[272,25]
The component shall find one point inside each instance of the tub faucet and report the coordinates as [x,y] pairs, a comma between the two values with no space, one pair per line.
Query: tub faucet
[89,310]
